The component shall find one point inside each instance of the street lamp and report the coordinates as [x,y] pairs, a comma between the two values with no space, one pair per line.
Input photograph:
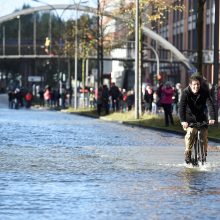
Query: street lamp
[98,46]
[76,59]
[76,52]
[19,35]
[3,39]
[216,58]
[156,56]
[137,48]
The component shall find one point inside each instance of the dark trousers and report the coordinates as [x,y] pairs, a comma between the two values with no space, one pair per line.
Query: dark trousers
[115,104]
[168,114]
[106,107]
[99,108]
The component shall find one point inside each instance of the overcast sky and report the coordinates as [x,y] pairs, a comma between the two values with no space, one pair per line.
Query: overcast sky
[8,6]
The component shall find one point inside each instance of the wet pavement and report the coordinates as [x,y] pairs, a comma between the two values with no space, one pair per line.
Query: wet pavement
[55,165]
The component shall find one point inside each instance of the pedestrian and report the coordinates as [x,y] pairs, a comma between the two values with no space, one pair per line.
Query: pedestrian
[114,93]
[17,98]
[154,104]
[91,98]
[194,102]
[124,100]
[10,99]
[105,98]
[41,97]
[166,101]
[176,97]
[148,99]
[130,100]
[63,97]
[28,99]
[47,96]
[99,100]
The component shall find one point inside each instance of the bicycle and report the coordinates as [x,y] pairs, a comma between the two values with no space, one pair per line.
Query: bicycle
[198,150]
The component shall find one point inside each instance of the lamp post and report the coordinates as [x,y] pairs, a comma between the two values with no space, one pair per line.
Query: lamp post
[76,59]
[216,58]
[3,39]
[19,35]
[137,47]
[76,52]
[156,56]
[35,34]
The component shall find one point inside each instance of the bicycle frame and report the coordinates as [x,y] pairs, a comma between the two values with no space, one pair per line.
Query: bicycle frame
[198,150]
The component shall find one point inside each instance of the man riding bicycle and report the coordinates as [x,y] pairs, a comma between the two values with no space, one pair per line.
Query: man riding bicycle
[194,103]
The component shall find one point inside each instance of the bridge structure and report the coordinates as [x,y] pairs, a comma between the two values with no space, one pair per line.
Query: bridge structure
[36,49]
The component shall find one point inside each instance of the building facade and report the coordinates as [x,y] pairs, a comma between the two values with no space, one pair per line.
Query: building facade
[180,29]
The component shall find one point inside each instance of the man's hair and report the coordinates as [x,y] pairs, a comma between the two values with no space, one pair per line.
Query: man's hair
[194,77]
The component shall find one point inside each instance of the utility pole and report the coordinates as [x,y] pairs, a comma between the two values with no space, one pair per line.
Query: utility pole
[216,58]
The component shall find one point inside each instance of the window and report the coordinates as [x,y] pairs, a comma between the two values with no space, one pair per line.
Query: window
[194,40]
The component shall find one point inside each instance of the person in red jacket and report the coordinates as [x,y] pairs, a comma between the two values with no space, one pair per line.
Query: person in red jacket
[166,101]
[28,99]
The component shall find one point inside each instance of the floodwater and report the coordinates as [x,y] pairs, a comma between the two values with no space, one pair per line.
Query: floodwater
[57,166]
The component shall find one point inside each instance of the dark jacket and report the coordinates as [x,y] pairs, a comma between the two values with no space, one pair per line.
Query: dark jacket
[193,107]
[114,92]
[148,96]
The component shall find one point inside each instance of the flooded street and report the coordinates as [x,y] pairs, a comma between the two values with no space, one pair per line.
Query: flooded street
[55,165]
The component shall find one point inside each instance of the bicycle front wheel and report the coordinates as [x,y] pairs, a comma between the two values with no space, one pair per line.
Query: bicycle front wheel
[201,149]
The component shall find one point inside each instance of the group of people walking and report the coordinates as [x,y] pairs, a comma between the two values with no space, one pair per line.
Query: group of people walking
[18,98]
[166,98]
[47,97]
[113,99]
[52,97]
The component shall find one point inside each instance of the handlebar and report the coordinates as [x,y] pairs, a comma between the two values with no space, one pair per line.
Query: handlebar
[199,125]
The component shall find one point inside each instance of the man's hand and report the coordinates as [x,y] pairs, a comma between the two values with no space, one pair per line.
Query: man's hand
[184,124]
[211,122]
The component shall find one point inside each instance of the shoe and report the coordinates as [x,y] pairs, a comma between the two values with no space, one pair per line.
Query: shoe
[188,157]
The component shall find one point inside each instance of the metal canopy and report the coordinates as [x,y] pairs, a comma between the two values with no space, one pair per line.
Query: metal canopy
[153,35]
